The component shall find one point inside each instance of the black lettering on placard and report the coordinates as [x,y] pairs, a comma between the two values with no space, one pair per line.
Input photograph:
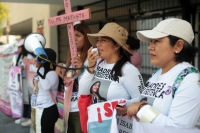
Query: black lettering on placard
[71,41]
[126,124]
[121,131]
[74,98]
[72,17]
[77,17]
[154,90]
[161,95]
[122,123]
[117,120]
[51,21]
[104,73]
[66,3]
[68,17]
[65,18]
[130,126]
[58,19]
[141,86]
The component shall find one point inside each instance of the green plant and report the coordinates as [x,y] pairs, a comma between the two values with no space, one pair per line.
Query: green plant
[3,15]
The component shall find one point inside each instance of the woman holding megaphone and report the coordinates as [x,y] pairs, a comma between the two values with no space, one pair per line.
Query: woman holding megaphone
[44,112]
[44,109]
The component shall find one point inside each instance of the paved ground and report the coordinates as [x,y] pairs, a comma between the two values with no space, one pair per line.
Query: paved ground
[7,125]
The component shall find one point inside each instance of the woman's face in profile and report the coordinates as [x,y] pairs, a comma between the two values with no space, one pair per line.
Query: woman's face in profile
[37,65]
[161,52]
[19,49]
[95,87]
[79,39]
[106,47]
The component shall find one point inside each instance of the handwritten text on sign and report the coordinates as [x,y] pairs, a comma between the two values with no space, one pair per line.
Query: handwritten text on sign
[70,28]
[69,17]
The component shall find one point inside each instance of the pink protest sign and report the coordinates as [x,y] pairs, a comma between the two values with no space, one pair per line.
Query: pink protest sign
[68,19]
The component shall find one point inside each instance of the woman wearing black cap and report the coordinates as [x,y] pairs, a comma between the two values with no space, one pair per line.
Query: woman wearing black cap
[133,45]
[44,109]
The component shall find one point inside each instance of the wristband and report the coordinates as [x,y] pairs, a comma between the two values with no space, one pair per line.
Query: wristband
[92,66]
[91,72]
[149,115]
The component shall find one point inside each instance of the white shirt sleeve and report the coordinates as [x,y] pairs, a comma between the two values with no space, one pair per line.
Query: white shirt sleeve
[50,79]
[21,62]
[84,83]
[185,107]
[132,81]
[85,80]
[29,56]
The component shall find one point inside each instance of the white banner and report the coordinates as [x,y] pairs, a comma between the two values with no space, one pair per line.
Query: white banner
[102,118]
[15,91]
[8,54]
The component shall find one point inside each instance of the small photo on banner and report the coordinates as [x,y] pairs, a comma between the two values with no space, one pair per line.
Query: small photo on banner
[15,91]
[98,90]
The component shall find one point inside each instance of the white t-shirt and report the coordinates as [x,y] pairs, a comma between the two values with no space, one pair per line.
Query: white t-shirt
[75,96]
[43,98]
[182,110]
[21,63]
[127,87]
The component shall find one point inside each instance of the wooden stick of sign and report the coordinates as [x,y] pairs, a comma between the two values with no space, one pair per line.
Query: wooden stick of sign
[68,19]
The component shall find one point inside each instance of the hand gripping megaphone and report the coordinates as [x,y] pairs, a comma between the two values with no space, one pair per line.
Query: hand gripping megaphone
[34,43]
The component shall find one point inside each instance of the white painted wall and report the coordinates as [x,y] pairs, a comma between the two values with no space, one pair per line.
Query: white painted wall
[20,12]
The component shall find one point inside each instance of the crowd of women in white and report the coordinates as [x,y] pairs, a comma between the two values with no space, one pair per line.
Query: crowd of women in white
[165,104]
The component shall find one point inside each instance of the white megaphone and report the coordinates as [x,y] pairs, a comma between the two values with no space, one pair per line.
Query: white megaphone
[34,43]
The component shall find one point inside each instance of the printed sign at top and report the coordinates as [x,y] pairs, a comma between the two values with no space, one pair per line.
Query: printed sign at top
[69,17]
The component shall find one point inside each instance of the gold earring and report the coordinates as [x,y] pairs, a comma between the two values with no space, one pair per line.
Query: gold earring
[51,66]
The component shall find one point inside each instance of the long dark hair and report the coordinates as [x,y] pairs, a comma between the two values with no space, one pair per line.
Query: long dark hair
[23,54]
[97,93]
[18,58]
[133,43]
[47,65]
[84,29]
[91,91]
[24,51]
[117,69]
[187,53]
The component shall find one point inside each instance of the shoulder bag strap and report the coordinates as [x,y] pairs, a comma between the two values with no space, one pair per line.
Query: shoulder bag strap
[180,78]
